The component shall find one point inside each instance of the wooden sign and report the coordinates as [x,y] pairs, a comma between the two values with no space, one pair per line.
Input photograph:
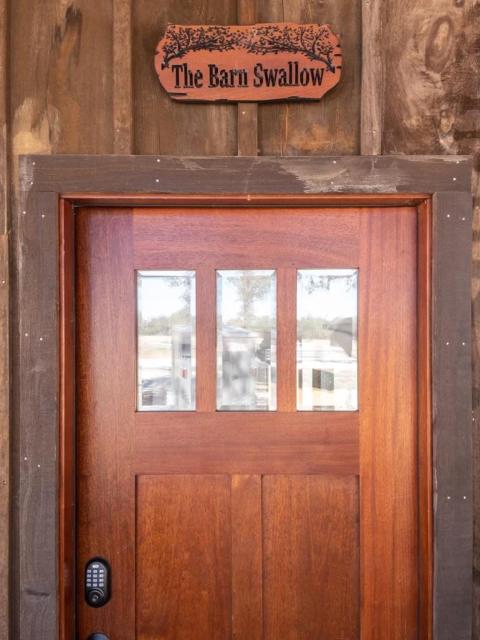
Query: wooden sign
[261,62]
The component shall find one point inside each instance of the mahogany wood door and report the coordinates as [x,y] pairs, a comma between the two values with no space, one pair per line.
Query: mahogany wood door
[266,521]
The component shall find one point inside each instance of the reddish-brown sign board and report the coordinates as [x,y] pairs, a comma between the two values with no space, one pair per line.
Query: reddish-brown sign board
[255,63]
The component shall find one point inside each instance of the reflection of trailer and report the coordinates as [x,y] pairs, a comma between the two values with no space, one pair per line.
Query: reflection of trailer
[245,376]
[183,387]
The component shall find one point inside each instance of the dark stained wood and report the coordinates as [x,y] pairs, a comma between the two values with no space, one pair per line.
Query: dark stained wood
[162,126]
[452,436]
[35,385]
[184,541]
[66,441]
[332,126]
[247,558]
[4,150]
[247,444]
[311,574]
[150,174]
[388,424]
[105,483]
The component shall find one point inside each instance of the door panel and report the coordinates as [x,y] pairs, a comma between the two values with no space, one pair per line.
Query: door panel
[249,525]
[311,557]
[183,557]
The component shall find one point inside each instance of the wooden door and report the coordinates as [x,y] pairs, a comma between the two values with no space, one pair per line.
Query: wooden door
[271,512]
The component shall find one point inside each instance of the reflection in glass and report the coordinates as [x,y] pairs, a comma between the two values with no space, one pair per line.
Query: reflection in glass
[246,340]
[166,340]
[327,340]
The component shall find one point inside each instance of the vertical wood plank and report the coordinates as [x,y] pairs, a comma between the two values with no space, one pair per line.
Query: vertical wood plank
[183,558]
[163,126]
[61,99]
[35,393]
[372,78]
[5,525]
[206,340]
[452,418]
[247,113]
[331,125]
[247,604]
[122,77]
[311,557]
[287,339]
[425,419]
[388,419]
[105,281]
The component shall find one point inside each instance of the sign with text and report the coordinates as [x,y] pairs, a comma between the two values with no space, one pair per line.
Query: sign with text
[256,63]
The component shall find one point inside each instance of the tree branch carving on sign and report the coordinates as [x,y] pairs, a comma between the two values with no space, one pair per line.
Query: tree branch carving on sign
[313,41]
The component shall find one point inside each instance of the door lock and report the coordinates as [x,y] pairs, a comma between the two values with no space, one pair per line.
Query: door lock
[97,583]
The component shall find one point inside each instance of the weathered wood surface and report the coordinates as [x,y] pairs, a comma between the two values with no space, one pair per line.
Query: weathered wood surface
[122,77]
[333,126]
[35,397]
[164,174]
[247,114]
[160,125]
[452,441]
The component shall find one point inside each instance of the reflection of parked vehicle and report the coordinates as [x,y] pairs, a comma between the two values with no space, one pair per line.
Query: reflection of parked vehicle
[154,392]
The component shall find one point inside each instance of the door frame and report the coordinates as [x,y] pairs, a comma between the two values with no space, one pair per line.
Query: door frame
[43,373]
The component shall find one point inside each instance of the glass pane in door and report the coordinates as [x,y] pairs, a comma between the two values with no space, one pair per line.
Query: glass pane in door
[246,340]
[166,340]
[327,340]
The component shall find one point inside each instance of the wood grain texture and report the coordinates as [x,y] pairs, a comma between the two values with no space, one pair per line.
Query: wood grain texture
[372,90]
[122,77]
[388,425]
[184,577]
[35,385]
[161,125]
[247,558]
[4,119]
[105,402]
[247,114]
[58,104]
[247,129]
[5,505]
[452,443]
[261,442]
[319,175]
[310,546]
[332,126]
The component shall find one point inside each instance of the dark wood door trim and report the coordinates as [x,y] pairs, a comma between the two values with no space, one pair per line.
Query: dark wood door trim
[44,345]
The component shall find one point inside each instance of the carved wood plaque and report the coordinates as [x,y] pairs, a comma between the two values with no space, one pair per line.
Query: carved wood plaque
[262,62]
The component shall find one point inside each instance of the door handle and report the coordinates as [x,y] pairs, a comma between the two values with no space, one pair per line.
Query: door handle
[98,636]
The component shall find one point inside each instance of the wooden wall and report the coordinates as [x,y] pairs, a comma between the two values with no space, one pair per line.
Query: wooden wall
[77,76]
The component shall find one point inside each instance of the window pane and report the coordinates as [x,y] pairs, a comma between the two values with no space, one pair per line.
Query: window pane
[166,340]
[246,340]
[327,340]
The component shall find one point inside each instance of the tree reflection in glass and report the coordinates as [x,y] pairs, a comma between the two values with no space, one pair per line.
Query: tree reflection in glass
[327,340]
[166,341]
[246,340]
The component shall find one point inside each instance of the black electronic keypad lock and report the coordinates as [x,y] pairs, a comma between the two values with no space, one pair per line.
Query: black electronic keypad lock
[97,582]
